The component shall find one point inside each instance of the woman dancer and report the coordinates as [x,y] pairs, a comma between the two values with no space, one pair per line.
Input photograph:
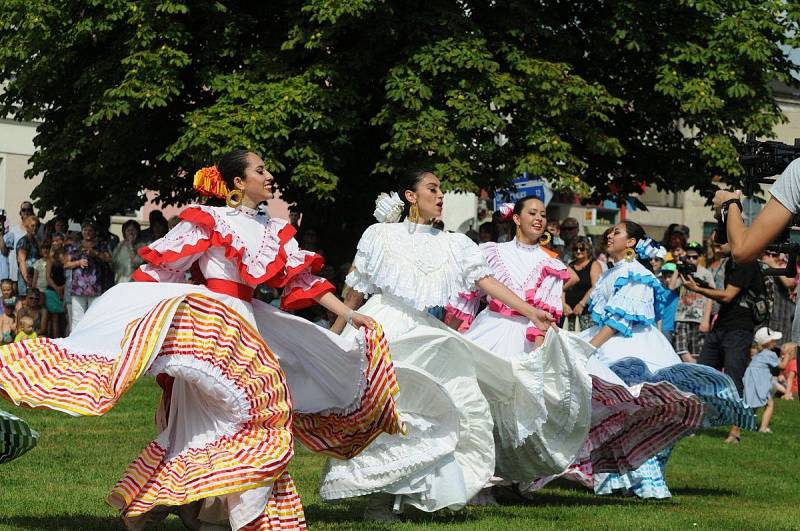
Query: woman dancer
[547,434]
[408,268]
[554,436]
[231,404]
[625,306]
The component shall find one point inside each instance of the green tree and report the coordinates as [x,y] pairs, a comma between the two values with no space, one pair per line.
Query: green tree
[338,95]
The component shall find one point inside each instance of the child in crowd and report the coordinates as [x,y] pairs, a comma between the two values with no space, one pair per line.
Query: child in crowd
[26,329]
[758,376]
[667,323]
[8,290]
[40,267]
[8,323]
[33,306]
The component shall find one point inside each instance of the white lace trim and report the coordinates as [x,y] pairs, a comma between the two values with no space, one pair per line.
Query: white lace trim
[423,268]
[211,382]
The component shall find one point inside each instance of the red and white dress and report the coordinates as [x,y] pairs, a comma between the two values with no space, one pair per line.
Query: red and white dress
[543,429]
[241,379]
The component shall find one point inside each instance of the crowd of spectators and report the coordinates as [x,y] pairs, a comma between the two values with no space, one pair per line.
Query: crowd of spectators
[50,275]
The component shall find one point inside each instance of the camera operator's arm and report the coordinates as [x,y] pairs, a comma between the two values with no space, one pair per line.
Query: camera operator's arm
[748,244]
[720,295]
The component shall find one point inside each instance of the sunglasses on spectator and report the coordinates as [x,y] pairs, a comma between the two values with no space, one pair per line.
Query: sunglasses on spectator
[773,254]
[693,257]
[21,210]
[580,249]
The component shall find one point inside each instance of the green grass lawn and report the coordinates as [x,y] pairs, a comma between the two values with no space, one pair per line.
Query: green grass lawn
[62,483]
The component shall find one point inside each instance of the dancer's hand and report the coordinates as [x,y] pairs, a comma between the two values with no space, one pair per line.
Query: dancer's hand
[541,319]
[357,320]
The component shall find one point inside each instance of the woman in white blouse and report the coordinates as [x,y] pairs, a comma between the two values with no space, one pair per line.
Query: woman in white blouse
[446,381]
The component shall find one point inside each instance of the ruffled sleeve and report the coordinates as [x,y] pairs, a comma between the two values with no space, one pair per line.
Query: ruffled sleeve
[636,300]
[369,247]
[464,307]
[300,285]
[263,252]
[473,263]
[547,287]
[167,259]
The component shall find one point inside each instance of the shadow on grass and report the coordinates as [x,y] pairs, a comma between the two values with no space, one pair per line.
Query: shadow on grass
[716,433]
[349,515]
[67,521]
[700,491]
[73,522]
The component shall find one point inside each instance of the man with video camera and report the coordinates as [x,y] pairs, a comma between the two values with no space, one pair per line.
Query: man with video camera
[693,313]
[727,345]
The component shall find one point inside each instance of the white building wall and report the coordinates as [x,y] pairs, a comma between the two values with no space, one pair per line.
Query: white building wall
[16,147]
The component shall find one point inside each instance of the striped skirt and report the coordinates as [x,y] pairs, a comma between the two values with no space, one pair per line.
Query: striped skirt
[231,405]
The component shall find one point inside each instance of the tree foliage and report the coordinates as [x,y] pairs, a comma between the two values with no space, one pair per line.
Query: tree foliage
[338,95]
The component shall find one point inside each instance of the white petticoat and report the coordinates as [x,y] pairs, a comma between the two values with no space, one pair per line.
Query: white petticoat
[647,343]
[447,384]
[448,454]
[542,428]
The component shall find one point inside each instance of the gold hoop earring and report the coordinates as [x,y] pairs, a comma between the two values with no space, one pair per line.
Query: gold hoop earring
[545,238]
[234,198]
[413,213]
[630,254]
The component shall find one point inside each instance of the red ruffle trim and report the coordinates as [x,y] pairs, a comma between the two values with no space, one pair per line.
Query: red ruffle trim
[276,275]
[299,298]
[141,276]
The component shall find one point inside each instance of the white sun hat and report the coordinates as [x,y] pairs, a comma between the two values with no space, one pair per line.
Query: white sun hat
[765,335]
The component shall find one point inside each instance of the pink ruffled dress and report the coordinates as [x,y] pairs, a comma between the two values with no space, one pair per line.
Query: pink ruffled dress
[544,427]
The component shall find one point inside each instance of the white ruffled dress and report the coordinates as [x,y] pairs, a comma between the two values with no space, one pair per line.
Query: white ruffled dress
[241,379]
[446,382]
[545,430]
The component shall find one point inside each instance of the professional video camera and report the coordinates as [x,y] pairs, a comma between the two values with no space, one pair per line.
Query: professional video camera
[762,161]
[687,269]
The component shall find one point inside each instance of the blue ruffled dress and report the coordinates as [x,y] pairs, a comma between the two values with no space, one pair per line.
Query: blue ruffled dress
[630,299]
